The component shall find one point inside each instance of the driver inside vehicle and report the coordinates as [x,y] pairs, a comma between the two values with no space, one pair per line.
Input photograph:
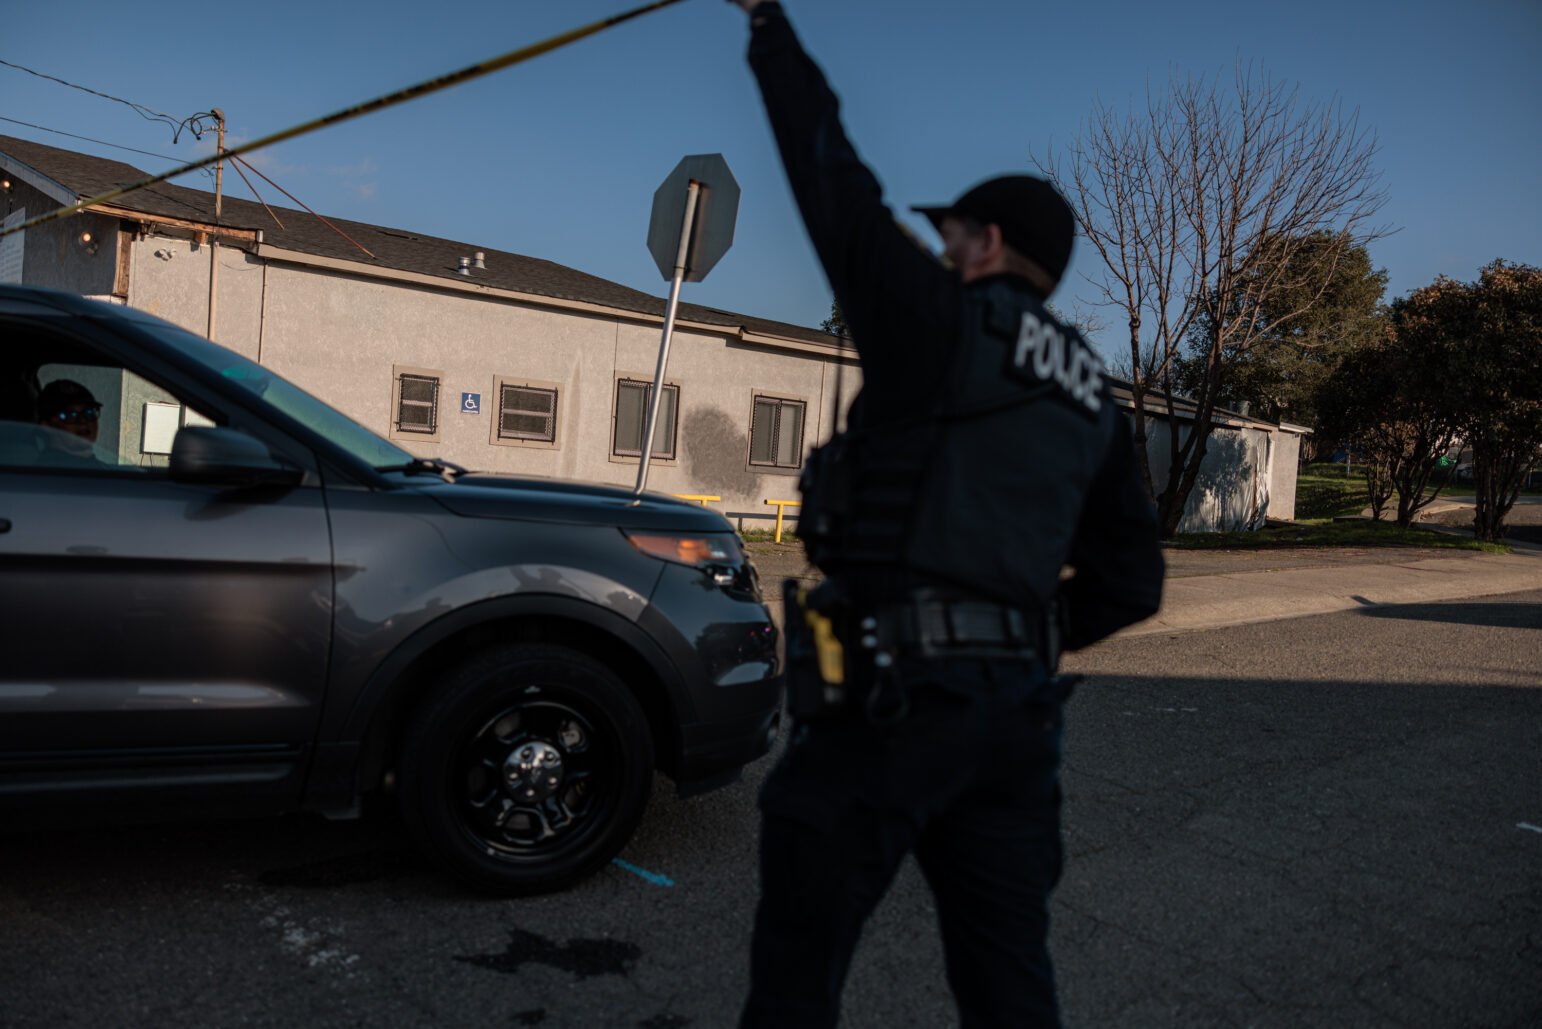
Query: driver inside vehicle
[72,415]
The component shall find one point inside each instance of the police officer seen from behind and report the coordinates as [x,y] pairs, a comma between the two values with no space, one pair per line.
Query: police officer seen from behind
[982,456]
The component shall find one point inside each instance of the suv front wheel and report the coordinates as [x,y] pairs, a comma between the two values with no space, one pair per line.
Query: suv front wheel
[526,769]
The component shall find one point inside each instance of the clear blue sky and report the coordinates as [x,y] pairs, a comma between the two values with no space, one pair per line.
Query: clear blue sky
[559,158]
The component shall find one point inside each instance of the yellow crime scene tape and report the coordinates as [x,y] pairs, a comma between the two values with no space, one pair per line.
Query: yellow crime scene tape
[454,78]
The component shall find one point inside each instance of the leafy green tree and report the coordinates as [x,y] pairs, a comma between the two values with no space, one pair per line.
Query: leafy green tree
[1492,329]
[1328,304]
[1462,363]
[835,325]
[1354,401]
[1386,401]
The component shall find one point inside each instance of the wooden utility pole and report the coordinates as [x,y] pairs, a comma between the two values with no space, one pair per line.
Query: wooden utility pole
[214,244]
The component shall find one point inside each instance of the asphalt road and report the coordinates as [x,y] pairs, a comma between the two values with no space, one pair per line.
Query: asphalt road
[1327,821]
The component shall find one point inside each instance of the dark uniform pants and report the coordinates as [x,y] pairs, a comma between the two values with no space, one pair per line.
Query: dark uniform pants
[969,781]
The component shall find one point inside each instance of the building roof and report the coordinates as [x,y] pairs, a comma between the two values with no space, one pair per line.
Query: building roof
[86,176]
[1184,408]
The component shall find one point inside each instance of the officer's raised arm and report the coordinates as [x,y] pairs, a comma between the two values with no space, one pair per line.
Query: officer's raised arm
[878,273]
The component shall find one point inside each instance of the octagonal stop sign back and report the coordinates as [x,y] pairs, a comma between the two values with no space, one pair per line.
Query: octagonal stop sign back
[716,211]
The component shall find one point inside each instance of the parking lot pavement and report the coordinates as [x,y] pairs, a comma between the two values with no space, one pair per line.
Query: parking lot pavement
[1326,821]
[1322,821]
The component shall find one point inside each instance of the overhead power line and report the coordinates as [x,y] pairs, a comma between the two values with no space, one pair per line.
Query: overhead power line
[454,78]
[88,139]
[148,113]
[194,122]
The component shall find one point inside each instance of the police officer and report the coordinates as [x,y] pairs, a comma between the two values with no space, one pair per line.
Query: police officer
[982,457]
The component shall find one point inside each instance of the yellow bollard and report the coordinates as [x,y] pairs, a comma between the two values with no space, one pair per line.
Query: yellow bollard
[701,498]
[781,506]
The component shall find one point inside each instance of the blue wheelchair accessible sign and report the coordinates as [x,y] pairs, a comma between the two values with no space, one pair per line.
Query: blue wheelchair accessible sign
[471,403]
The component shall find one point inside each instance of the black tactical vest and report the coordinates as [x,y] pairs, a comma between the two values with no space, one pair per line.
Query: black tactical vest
[981,490]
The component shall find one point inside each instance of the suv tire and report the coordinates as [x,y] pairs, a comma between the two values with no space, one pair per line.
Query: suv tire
[526,768]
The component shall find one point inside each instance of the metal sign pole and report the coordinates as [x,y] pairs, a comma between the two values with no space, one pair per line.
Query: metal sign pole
[693,193]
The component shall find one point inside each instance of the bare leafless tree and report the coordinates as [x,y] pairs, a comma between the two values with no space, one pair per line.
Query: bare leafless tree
[1201,207]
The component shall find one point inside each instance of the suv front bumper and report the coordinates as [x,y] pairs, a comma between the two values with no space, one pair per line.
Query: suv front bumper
[728,653]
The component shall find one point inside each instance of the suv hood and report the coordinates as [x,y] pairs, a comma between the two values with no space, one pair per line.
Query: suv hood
[560,500]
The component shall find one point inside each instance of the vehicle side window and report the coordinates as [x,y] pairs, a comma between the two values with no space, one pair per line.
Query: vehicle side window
[65,406]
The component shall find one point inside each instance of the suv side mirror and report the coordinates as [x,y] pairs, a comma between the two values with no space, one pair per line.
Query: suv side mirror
[205,454]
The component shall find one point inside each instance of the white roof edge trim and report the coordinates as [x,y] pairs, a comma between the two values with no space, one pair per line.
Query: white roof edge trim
[767,339]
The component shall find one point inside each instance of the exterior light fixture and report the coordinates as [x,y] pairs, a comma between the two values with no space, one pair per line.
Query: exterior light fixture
[87,242]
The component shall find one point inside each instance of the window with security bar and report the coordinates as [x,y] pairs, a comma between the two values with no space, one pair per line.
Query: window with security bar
[417,404]
[528,413]
[632,399]
[776,433]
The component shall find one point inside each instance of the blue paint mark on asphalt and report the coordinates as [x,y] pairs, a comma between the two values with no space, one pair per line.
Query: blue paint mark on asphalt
[653,877]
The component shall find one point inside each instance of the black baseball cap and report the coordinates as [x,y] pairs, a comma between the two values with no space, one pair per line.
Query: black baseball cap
[1033,217]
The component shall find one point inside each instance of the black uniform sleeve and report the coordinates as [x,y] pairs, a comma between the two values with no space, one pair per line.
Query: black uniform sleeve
[898,299]
[1116,557]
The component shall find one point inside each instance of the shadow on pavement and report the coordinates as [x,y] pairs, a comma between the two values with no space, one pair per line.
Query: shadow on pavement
[1263,850]
[1508,616]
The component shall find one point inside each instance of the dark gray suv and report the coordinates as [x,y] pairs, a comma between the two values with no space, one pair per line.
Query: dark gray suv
[219,594]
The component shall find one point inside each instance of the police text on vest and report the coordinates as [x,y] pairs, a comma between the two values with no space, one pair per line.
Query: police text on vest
[1051,356]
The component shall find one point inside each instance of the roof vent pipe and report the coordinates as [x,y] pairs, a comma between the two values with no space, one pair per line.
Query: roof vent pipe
[480,264]
[465,266]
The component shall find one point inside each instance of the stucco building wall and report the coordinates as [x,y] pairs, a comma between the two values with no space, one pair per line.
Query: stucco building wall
[1282,475]
[168,276]
[345,337]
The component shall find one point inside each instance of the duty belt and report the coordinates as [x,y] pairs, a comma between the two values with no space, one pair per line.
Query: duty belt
[931,627]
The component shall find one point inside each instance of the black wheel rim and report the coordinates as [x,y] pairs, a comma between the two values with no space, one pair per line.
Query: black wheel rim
[537,778]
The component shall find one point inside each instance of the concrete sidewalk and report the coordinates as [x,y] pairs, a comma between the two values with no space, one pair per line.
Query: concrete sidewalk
[1207,589]
[1239,597]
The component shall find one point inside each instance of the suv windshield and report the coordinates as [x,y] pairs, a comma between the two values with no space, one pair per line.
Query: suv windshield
[276,392]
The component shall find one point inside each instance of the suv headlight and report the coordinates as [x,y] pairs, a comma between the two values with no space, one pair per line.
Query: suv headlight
[717,554]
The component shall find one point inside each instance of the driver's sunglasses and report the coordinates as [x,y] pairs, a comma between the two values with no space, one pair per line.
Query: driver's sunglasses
[80,414]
